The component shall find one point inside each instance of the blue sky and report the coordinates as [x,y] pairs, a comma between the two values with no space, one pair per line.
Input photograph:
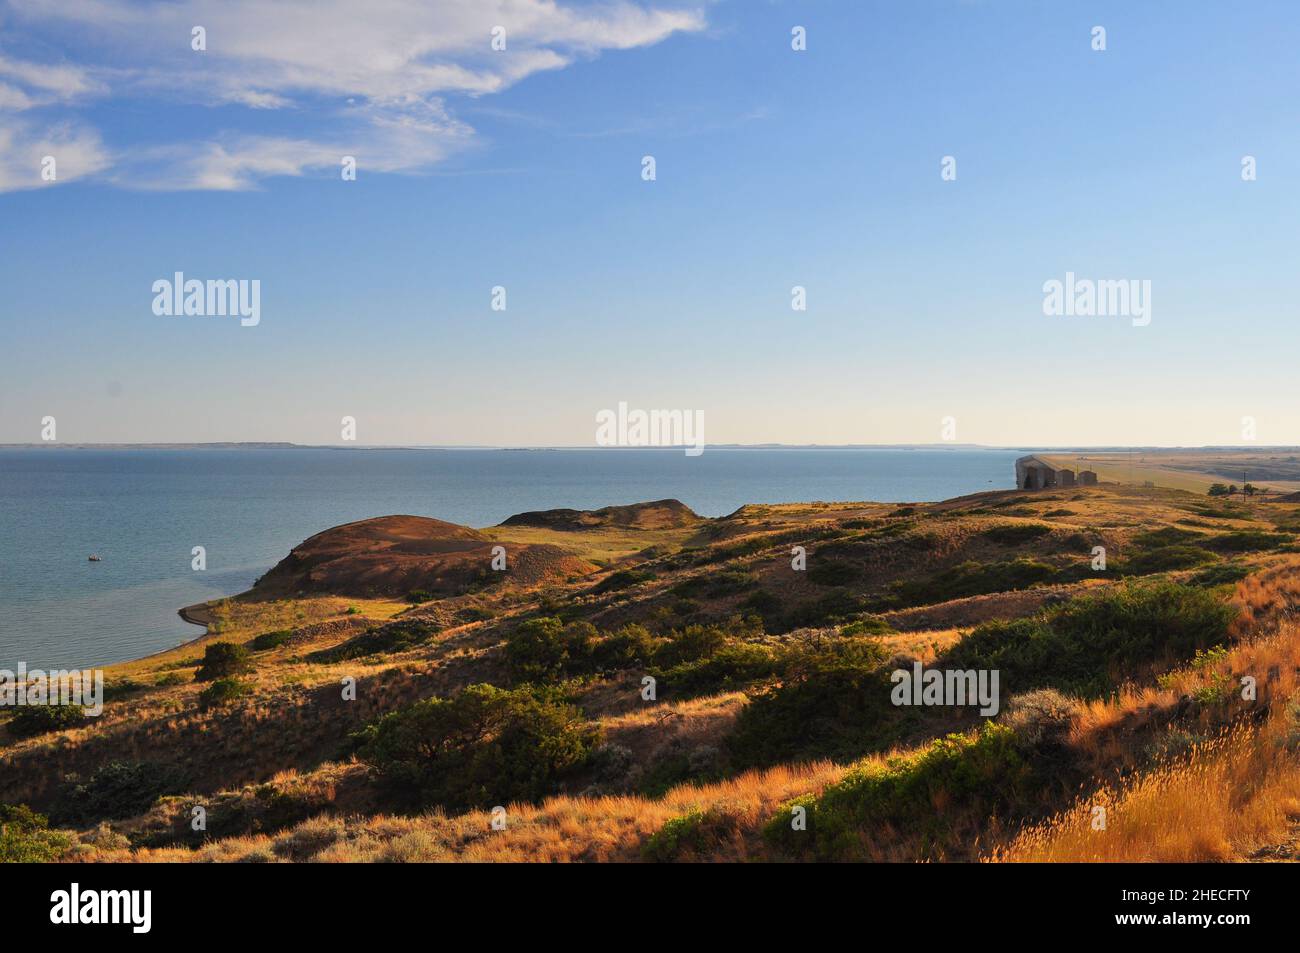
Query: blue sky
[775,168]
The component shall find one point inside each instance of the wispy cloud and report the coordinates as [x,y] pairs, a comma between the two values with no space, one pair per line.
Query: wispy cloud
[77,151]
[379,76]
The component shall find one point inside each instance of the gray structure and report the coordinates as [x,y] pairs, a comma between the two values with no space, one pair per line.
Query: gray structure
[1034,473]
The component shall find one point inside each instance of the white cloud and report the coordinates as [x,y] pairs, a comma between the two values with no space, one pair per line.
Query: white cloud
[77,151]
[45,83]
[378,73]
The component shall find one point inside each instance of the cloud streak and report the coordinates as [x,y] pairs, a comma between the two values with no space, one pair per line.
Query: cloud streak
[378,78]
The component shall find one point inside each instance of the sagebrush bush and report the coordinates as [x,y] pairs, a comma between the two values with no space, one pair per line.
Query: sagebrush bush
[1015,534]
[1220,575]
[386,639]
[1088,645]
[25,837]
[967,579]
[223,691]
[270,640]
[730,667]
[829,572]
[31,720]
[689,836]
[483,747]
[119,789]
[1248,540]
[222,660]
[986,772]
[622,579]
[832,702]
[1165,559]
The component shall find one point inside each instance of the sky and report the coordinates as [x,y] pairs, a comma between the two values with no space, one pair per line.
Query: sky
[774,168]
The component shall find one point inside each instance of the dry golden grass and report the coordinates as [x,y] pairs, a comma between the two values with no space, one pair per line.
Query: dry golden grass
[564,829]
[1230,798]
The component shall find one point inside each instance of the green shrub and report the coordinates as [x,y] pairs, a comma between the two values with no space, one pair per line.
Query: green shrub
[629,647]
[977,775]
[1220,575]
[120,688]
[31,720]
[484,747]
[385,639]
[622,579]
[678,835]
[832,702]
[967,579]
[1014,534]
[25,837]
[691,644]
[1090,644]
[836,606]
[715,585]
[223,691]
[270,640]
[763,603]
[1247,540]
[222,660]
[690,835]
[827,572]
[1166,536]
[727,669]
[118,790]
[1165,559]
[418,596]
[545,648]
[868,625]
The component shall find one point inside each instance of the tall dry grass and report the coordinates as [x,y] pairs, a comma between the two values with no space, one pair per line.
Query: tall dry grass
[1225,801]
[562,829]
[1229,797]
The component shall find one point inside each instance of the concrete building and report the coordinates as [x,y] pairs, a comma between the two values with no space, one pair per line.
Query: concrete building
[1034,473]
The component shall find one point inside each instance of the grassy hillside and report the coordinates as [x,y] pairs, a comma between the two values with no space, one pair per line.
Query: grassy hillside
[380,692]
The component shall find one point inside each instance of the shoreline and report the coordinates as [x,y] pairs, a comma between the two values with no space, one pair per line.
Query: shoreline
[197,614]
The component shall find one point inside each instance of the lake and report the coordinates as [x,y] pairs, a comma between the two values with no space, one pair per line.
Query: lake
[144,510]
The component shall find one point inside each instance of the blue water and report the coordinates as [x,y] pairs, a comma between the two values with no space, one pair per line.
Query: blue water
[144,511]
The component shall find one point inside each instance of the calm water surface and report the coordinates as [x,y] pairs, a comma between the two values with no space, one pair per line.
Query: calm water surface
[144,510]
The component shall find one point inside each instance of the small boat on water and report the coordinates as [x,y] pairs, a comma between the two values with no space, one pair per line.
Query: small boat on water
[96,559]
